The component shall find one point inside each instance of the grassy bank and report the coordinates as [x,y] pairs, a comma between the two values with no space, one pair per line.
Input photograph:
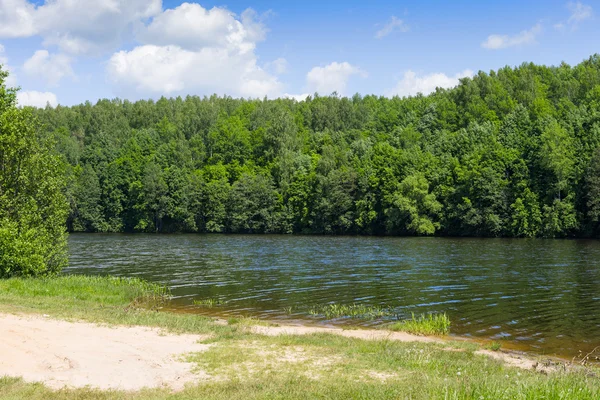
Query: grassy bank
[251,366]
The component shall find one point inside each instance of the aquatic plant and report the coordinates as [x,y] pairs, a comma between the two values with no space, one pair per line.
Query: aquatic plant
[495,346]
[358,311]
[209,302]
[425,324]
[288,310]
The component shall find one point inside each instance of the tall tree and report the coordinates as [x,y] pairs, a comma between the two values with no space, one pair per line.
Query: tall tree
[33,208]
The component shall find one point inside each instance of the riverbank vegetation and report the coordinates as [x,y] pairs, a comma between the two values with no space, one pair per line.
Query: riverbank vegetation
[430,325]
[243,363]
[513,152]
[33,207]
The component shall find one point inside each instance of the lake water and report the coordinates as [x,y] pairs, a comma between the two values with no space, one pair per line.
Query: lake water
[535,295]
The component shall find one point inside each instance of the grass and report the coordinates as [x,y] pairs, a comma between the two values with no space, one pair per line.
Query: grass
[357,311]
[495,346]
[210,302]
[428,325]
[251,366]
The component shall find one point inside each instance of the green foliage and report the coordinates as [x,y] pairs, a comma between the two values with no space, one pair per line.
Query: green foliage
[358,311]
[495,346]
[430,324]
[510,153]
[413,208]
[209,303]
[33,208]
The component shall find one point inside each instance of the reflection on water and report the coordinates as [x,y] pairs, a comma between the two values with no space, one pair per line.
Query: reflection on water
[542,294]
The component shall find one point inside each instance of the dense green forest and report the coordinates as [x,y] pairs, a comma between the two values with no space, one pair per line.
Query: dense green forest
[510,153]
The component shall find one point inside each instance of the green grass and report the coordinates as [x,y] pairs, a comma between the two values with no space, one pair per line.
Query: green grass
[251,366]
[429,325]
[357,311]
[210,302]
[494,346]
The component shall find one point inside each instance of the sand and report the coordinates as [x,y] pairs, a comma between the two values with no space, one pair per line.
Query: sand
[77,354]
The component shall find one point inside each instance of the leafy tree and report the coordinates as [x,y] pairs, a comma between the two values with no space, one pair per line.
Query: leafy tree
[593,189]
[557,156]
[412,208]
[33,208]
[254,206]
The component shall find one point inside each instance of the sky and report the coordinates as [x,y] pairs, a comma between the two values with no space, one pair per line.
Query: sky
[71,51]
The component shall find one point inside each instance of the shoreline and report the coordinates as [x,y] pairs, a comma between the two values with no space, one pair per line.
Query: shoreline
[104,338]
[78,354]
[507,346]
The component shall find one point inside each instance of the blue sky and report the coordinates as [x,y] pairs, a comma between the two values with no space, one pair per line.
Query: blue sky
[70,51]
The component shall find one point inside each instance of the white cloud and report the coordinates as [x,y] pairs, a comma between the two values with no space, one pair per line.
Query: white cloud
[11,81]
[331,78]
[527,37]
[579,12]
[279,66]
[170,70]
[297,97]
[36,99]
[16,19]
[193,50]
[192,27]
[412,84]
[76,26]
[51,67]
[394,24]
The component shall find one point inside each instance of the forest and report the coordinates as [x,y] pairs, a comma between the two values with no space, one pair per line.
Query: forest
[509,153]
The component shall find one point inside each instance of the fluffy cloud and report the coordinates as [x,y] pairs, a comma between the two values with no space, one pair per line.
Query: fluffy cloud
[170,70]
[193,27]
[51,67]
[17,19]
[394,24]
[411,83]
[332,78]
[526,37]
[11,81]
[190,49]
[36,99]
[76,26]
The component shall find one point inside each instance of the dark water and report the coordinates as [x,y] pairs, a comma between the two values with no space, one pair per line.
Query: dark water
[537,295]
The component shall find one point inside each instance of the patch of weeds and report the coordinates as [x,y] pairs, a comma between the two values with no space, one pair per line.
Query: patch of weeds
[430,324]
[357,311]
[494,346]
[209,302]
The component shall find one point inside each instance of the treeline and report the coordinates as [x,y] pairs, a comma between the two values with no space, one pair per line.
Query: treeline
[510,153]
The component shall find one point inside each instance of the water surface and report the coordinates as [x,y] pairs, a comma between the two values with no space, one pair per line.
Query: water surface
[540,295]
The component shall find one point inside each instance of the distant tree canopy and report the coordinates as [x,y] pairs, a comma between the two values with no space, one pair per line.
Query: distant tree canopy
[511,153]
[33,209]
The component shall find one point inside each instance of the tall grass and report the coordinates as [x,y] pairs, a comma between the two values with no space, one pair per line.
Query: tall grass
[77,290]
[359,311]
[430,324]
[209,302]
